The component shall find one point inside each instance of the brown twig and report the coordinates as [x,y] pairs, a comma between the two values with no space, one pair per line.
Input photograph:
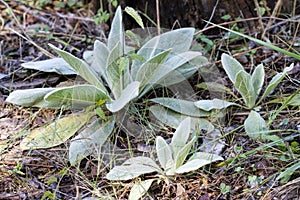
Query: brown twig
[274,13]
[260,20]
[157,17]
[212,13]
[236,21]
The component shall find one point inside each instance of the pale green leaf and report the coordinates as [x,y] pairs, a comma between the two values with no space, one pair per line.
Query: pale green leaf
[56,65]
[127,172]
[181,106]
[139,189]
[209,105]
[172,70]
[257,78]
[114,55]
[135,15]
[173,119]
[164,153]
[183,153]
[197,160]
[181,135]
[148,70]
[116,34]
[178,40]
[213,87]
[78,95]
[100,57]
[289,171]
[135,40]
[181,72]
[117,72]
[133,168]
[276,80]
[90,140]
[88,56]
[231,66]
[244,85]
[255,126]
[128,94]
[142,161]
[295,101]
[112,71]
[32,98]
[205,156]
[55,133]
[81,67]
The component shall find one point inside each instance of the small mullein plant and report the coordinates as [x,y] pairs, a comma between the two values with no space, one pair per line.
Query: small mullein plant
[249,86]
[171,157]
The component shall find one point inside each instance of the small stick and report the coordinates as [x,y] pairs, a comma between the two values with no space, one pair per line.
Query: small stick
[275,11]
[260,19]
[157,17]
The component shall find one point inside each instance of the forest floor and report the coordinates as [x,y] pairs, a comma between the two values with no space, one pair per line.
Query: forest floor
[25,32]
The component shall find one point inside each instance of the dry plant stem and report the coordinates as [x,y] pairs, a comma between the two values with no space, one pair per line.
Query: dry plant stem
[294,8]
[26,37]
[212,13]
[243,20]
[293,19]
[274,13]
[260,20]
[157,17]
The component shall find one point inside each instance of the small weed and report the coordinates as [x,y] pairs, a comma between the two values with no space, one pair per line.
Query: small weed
[225,188]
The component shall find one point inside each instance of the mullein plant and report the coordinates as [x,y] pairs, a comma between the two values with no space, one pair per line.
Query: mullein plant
[172,160]
[249,86]
[115,77]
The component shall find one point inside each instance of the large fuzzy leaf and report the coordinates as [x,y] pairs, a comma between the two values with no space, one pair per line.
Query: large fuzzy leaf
[149,69]
[56,65]
[114,70]
[231,66]
[183,153]
[178,40]
[81,68]
[173,119]
[185,70]
[173,70]
[139,189]
[257,78]
[197,160]
[116,34]
[90,140]
[244,85]
[118,76]
[164,153]
[55,133]
[32,98]
[133,168]
[255,126]
[129,93]
[209,105]
[79,95]
[181,106]
[100,56]
[181,135]
[276,80]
